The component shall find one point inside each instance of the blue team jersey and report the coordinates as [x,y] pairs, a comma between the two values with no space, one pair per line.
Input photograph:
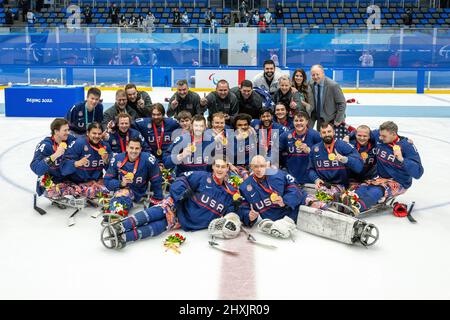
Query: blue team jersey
[244,149]
[388,166]
[79,117]
[119,141]
[257,192]
[369,158]
[268,139]
[209,200]
[292,158]
[145,171]
[288,123]
[45,149]
[333,171]
[93,170]
[199,160]
[145,127]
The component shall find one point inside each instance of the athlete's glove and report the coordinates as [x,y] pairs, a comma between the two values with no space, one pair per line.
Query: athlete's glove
[282,228]
[227,227]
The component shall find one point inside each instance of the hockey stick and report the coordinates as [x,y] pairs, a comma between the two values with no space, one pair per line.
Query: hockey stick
[72,218]
[252,239]
[40,210]
[409,216]
[217,246]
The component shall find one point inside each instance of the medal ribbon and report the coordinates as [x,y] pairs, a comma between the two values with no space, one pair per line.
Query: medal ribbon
[55,145]
[266,141]
[224,186]
[358,146]
[193,139]
[136,164]
[284,123]
[158,139]
[268,190]
[331,148]
[302,138]
[86,116]
[394,142]
[95,148]
[127,138]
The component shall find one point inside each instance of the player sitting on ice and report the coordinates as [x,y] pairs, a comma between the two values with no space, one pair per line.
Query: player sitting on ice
[120,134]
[189,152]
[245,145]
[330,162]
[295,147]
[274,196]
[196,199]
[157,130]
[85,160]
[269,132]
[397,163]
[364,142]
[128,176]
[46,163]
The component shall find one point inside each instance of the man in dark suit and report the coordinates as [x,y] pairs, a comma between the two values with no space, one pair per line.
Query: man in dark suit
[326,98]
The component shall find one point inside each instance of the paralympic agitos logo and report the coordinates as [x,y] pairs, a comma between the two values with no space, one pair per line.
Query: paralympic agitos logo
[212,78]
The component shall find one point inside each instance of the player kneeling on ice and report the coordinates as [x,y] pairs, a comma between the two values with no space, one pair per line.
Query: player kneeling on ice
[128,176]
[196,199]
[397,163]
[274,196]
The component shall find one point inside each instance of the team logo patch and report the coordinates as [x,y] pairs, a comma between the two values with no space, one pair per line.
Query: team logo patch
[316,149]
[257,127]
[80,113]
[114,142]
[249,188]
[290,136]
[208,180]
[86,148]
[149,126]
[119,163]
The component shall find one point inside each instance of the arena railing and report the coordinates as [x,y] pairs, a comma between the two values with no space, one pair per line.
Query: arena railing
[413,80]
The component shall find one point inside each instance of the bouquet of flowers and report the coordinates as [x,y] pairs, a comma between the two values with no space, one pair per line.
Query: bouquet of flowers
[323,196]
[235,180]
[168,176]
[173,242]
[46,182]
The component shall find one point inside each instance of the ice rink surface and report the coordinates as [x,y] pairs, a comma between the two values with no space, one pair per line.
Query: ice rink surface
[42,258]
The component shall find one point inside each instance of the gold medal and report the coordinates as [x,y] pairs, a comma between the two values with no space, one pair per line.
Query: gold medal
[364,155]
[274,197]
[244,135]
[193,148]
[396,147]
[63,144]
[159,152]
[129,176]
[224,141]
[101,151]
[331,156]
[298,143]
[236,196]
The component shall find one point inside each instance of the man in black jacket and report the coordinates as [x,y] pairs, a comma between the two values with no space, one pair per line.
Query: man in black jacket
[249,101]
[140,101]
[184,100]
[221,100]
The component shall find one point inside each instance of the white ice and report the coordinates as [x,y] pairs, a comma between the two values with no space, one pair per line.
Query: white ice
[42,258]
